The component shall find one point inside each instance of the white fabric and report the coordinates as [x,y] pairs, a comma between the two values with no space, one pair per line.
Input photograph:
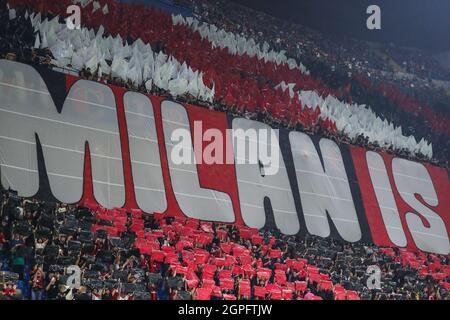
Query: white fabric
[237,44]
[95,6]
[105,9]
[354,119]
[136,62]
[12,14]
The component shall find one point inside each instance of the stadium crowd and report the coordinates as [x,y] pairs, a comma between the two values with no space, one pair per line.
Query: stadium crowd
[355,68]
[264,100]
[298,114]
[125,255]
[131,255]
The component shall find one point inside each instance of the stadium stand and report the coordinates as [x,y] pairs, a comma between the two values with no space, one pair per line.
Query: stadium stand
[131,255]
[127,254]
[272,96]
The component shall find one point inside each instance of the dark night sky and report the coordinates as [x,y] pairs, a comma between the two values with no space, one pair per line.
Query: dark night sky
[414,23]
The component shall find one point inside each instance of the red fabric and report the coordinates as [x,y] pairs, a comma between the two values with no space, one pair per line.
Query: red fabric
[340,296]
[203,293]
[275,253]
[208,283]
[287,294]
[311,269]
[244,289]
[257,239]
[224,274]
[168,249]
[439,276]
[281,266]
[201,258]
[171,258]
[245,259]
[237,270]
[276,294]
[181,270]
[192,283]
[220,262]
[439,176]
[238,250]
[222,235]
[245,233]
[446,285]
[326,285]
[314,278]
[157,255]
[227,283]
[216,292]
[263,275]
[249,271]
[298,265]
[280,278]
[300,285]
[352,295]
[226,247]
[260,292]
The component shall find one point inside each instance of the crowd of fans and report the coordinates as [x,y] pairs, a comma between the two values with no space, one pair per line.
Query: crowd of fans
[354,68]
[307,43]
[125,255]
[131,255]
[411,123]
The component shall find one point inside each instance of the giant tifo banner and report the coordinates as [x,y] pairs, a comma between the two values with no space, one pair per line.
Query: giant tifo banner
[72,140]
